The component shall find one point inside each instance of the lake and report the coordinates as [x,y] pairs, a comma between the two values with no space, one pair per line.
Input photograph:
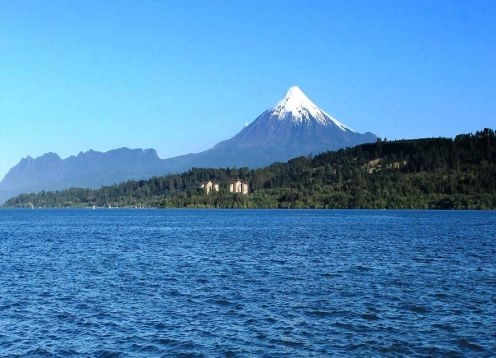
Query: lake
[117,282]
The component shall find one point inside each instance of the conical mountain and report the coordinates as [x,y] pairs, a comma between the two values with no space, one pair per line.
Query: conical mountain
[294,126]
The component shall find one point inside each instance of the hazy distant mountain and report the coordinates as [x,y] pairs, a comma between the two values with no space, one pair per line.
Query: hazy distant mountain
[294,126]
[89,169]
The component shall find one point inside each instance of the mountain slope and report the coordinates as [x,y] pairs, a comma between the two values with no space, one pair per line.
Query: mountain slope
[294,126]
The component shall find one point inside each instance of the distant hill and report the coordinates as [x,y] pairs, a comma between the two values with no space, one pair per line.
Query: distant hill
[433,173]
[90,169]
[294,126]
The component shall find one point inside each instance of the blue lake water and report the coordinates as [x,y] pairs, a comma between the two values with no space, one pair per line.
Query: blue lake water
[247,282]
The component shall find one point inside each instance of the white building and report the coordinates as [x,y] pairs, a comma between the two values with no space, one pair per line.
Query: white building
[209,186]
[239,187]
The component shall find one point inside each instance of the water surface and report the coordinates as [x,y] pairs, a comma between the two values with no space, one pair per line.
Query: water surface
[247,282]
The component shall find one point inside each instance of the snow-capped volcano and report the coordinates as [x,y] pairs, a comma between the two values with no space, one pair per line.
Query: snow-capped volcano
[294,126]
[296,106]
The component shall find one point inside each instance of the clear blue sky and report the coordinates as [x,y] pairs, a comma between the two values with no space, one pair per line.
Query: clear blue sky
[179,76]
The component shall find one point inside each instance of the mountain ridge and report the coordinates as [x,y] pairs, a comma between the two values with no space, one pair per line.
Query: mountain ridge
[425,173]
[293,126]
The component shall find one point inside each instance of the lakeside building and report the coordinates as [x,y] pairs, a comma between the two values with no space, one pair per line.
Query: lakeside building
[209,186]
[238,187]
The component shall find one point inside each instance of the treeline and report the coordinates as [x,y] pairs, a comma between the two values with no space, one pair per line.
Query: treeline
[433,173]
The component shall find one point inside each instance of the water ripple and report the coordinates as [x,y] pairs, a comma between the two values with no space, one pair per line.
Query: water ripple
[117,283]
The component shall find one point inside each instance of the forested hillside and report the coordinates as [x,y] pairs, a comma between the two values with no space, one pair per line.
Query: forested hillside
[438,173]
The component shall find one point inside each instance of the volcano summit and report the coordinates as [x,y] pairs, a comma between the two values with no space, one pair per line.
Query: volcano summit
[294,126]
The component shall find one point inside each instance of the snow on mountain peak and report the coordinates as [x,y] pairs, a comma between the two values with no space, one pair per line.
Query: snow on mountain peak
[300,108]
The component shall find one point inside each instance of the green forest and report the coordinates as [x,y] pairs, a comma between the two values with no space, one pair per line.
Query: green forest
[431,173]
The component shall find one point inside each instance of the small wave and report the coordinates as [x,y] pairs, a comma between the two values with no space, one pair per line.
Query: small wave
[286,342]
[444,327]
[220,302]
[362,268]
[67,353]
[39,352]
[166,341]
[465,343]
[261,336]
[66,316]
[318,313]
[107,354]
[370,316]
[331,275]
[396,348]
[417,309]
[345,325]
[270,319]
[441,295]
